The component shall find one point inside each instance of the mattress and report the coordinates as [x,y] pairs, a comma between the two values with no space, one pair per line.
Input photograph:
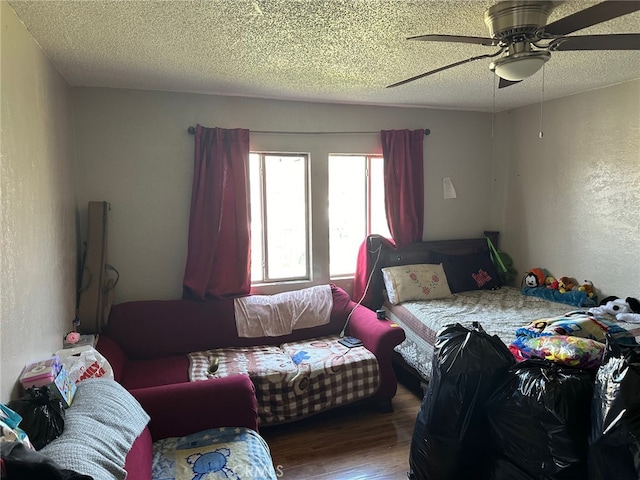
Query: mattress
[499,312]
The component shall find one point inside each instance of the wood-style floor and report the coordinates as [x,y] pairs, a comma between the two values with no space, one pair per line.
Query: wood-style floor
[352,443]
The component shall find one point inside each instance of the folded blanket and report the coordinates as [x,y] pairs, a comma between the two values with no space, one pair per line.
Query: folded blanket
[280,314]
[577,298]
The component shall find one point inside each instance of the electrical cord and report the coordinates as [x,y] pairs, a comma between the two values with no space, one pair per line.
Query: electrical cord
[366,288]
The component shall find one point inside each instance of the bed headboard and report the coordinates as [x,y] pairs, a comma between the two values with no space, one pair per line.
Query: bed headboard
[418,252]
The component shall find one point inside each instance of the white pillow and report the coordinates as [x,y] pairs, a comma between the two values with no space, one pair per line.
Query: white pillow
[415,282]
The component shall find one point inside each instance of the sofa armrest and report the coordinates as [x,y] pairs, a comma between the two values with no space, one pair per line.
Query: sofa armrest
[114,355]
[183,408]
[378,336]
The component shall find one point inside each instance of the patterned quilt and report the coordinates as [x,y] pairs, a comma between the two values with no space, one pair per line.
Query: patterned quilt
[500,312]
[229,453]
[298,379]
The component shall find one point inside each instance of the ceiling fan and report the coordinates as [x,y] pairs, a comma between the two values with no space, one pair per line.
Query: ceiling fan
[525,41]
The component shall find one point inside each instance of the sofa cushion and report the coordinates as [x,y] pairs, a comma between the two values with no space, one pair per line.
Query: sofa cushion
[100,427]
[296,379]
[160,371]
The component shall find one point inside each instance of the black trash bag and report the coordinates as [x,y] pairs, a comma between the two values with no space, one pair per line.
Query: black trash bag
[614,440]
[540,420]
[42,415]
[449,437]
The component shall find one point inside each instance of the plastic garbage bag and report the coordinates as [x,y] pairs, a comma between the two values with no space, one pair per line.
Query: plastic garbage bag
[42,415]
[84,362]
[450,434]
[540,419]
[614,440]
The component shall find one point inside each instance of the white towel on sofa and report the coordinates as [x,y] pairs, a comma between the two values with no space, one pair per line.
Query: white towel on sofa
[280,314]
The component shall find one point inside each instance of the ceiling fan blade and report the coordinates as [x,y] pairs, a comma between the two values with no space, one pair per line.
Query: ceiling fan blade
[503,83]
[623,41]
[456,39]
[598,13]
[447,67]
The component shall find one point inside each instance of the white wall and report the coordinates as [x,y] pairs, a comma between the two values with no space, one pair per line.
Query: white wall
[133,150]
[38,257]
[570,202]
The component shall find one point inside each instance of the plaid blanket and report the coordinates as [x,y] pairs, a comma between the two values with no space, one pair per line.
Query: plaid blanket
[297,379]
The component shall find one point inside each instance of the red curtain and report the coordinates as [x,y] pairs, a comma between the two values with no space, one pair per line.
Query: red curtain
[404,184]
[404,198]
[219,255]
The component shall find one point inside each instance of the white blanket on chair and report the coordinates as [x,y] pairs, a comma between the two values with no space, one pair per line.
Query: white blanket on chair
[280,314]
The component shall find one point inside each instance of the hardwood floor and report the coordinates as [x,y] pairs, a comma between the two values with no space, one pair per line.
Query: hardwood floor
[351,443]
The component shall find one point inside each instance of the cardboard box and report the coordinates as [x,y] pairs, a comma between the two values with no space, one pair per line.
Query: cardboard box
[63,387]
[51,373]
[40,373]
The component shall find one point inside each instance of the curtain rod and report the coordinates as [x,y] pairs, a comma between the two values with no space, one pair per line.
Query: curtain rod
[192,131]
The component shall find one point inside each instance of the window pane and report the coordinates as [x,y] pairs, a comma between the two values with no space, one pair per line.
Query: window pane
[347,212]
[286,212]
[376,195]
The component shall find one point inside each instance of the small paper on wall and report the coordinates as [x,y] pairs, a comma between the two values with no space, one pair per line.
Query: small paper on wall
[448,189]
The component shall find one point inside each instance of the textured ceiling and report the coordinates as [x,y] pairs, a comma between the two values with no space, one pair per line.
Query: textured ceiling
[339,51]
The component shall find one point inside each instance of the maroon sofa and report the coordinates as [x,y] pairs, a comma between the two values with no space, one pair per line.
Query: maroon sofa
[146,342]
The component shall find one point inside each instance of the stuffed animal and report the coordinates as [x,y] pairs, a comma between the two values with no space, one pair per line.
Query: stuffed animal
[551,283]
[634,315]
[587,286]
[566,284]
[535,278]
[627,310]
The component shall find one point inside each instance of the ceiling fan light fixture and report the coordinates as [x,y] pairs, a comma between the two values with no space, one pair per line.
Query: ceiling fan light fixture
[517,67]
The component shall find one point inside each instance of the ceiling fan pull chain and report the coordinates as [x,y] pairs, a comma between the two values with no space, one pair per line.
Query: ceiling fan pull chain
[493,108]
[541,134]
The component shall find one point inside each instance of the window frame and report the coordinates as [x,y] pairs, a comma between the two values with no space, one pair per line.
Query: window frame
[368,214]
[264,267]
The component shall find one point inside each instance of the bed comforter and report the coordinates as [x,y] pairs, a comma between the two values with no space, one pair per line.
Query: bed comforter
[500,312]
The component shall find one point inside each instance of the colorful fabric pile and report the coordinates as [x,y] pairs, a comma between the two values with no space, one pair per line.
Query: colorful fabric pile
[576,339]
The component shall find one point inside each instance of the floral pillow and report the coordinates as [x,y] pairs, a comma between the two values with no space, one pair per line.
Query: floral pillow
[415,282]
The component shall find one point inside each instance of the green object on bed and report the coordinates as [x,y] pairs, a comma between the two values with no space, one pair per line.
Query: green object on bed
[503,263]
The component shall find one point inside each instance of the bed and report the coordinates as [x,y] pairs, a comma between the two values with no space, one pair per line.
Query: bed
[499,311]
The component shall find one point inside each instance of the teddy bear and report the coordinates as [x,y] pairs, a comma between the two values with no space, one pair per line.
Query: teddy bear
[627,310]
[566,284]
[534,278]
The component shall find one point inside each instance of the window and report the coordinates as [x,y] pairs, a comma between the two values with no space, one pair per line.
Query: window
[279,198]
[356,208]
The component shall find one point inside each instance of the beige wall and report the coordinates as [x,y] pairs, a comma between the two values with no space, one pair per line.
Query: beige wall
[570,202]
[133,151]
[38,236]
